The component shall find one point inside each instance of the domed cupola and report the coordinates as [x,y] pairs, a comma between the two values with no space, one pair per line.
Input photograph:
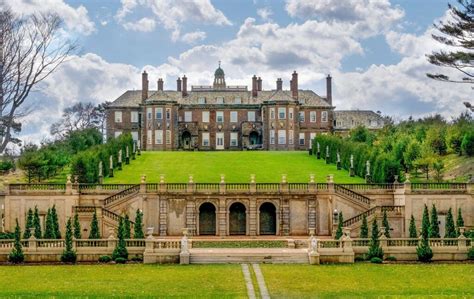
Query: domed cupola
[219,78]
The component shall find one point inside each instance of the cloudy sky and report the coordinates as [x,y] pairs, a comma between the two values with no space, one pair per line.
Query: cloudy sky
[374,49]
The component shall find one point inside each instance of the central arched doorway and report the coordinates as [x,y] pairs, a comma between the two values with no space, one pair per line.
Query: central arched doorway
[267,219]
[254,138]
[237,219]
[186,140]
[207,219]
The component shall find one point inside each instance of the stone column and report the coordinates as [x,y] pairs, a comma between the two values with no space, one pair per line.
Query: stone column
[285,217]
[163,217]
[68,185]
[222,188]
[253,186]
[143,184]
[222,218]
[191,217]
[312,185]
[284,184]
[311,216]
[253,216]
[162,184]
[190,188]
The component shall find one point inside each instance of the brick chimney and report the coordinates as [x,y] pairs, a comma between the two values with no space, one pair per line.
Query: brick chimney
[160,84]
[279,84]
[185,86]
[144,86]
[329,89]
[178,84]
[254,86]
[294,85]
[259,84]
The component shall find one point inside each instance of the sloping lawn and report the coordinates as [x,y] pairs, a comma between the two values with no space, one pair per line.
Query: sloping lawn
[206,167]
[368,280]
[99,281]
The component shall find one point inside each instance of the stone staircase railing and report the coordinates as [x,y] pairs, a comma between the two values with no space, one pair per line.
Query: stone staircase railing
[122,194]
[375,210]
[105,212]
[354,196]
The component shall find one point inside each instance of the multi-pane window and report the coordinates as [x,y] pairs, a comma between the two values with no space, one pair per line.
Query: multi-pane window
[233,116]
[324,116]
[312,116]
[237,101]
[282,113]
[272,113]
[118,133]
[168,113]
[158,136]
[205,116]
[134,116]
[220,100]
[290,136]
[202,100]
[118,116]
[149,112]
[301,116]
[251,115]
[290,113]
[148,137]
[272,136]
[205,139]
[159,113]
[281,136]
[188,116]
[168,137]
[233,139]
[220,116]
[301,138]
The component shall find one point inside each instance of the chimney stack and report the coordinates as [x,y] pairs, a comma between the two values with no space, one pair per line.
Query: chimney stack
[144,86]
[279,84]
[185,86]
[294,85]
[329,89]
[254,86]
[259,84]
[178,84]
[160,84]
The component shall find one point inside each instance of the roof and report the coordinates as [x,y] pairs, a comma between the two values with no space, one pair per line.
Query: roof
[356,112]
[130,98]
[219,72]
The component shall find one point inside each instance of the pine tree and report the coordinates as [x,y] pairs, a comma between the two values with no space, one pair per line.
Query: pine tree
[77,227]
[54,217]
[16,256]
[459,222]
[423,251]
[374,248]
[364,228]
[138,228]
[120,250]
[450,229]
[29,224]
[95,233]
[386,224]
[69,255]
[339,226]
[126,228]
[412,231]
[434,229]
[49,227]
[37,224]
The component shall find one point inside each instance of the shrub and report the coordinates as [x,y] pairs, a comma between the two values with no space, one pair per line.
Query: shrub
[376,260]
[69,255]
[470,254]
[16,256]
[120,260]
[391,258]
[339,226]
[7,236]
[424,253]
[105,259]
[136,258]
[374,249]
[138,228]
[360,258]
[120,250]
[94,233]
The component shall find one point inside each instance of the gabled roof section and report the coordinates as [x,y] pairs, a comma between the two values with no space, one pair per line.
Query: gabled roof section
[130,98]
[280,96]
[163,96]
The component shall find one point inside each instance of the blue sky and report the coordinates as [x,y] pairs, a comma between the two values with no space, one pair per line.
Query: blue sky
[374,49]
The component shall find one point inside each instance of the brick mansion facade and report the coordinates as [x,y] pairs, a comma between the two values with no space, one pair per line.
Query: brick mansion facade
[223,117]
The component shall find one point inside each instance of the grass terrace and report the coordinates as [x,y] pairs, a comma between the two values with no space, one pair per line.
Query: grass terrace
[206,167]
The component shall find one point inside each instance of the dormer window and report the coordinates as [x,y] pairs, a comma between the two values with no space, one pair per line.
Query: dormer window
[202,100]
[220,100]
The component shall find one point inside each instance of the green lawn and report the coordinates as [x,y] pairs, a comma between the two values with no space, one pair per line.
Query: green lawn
[206,167]
[368,280]
[132,281]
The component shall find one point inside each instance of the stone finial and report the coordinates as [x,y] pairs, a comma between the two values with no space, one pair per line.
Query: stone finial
[149,232]
[68,179]
[252,179]
[191,179]
[222,178]
[283,178]
[143,179]
[311,178]
[162,178]
[330,178]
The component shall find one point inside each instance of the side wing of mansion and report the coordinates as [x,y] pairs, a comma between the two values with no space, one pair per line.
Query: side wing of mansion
[222,117]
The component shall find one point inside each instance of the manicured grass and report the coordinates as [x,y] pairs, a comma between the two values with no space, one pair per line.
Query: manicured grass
[368,280]
[206,167]
[210,281]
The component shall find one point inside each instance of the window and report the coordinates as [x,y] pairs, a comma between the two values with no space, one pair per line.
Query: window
[311,138]
[134,135]
[168,113]
[290,113]
[158,136]
[301,138]
[202,100]
[168,137]
[272,136]
[159,113]
[220,100]
[205,139]
[233,139]
[301,116]
[312,116]
[134,116]
[282,113]
[281,137]
[237,101]
[220,116]
[272,113]
[118,133]
[233,116]
[148,136]
[118,116]
[290,136]
[188,116]
[205,116]
[149,113]
[251,115]
[324,116]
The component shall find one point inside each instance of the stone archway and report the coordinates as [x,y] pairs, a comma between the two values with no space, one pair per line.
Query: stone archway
[267,219]
[207,219]
[237,219]
[186,140]
[255,138]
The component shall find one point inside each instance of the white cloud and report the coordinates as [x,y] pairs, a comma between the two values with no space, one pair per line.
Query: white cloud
[126,8]
[265,13]
[143,25]
[193,37]
[75,19]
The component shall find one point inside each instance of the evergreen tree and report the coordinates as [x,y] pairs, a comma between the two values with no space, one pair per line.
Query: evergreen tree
[77,227]
[94,233]
[374,248]
[412,229]
[54,218]
[69,255]
[434,229]
[424,252]
[126,228]
[29,224]
[339,226]
[138,228]
[37,224]
[459,222]
[16,256]
[49,227]
[386,224]
[450,229]
[120,250]
[364,228]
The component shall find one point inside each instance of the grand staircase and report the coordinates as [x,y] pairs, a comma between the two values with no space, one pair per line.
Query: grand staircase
[352,196]
[356,221]
[247,255]
[122,196]
[108,216]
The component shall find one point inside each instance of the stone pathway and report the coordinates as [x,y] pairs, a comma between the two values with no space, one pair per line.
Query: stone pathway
[261,282]
[248,281]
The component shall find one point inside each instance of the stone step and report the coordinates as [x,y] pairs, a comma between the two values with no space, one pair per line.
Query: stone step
[253,255]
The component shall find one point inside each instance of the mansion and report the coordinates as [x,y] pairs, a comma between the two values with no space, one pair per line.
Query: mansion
[224,117]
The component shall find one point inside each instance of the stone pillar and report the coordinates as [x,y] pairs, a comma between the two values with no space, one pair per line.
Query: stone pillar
[253,186]
[32,245]
[284,184]
[311,216]
[190,188]
[222,188]
[101,172]
[462,241]
[253,216]
[312,185]
[285,217]
[191,217]
[330,182]
[119,159]
[162,184]
[163,217]
[222,217]
[111,167]
[184,253]
[143,184]
[68,185]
